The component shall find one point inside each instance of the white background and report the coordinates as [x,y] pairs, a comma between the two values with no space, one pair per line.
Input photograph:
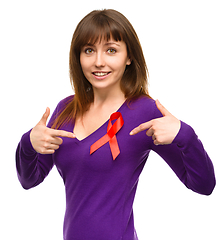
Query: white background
[181,42]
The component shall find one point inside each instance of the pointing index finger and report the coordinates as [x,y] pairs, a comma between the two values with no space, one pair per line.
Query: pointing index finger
[141,127]
[62,133]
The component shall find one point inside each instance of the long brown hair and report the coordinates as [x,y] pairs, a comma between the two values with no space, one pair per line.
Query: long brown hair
[98,25]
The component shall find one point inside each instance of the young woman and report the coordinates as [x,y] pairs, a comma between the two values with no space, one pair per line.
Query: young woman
[100,138]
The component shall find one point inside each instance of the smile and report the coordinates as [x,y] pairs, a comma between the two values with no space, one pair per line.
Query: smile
[101,74]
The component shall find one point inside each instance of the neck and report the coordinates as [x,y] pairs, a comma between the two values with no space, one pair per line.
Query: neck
[105,98]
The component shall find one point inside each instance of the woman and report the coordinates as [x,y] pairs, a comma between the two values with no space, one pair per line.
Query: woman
[100,138]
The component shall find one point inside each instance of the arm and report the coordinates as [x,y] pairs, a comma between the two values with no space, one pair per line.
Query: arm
[179,146]
[32,167]
[34,152]
[189,160]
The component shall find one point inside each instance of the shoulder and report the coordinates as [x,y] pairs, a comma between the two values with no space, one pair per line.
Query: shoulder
[60,107]
[141,102]
[63,103]
[144,108]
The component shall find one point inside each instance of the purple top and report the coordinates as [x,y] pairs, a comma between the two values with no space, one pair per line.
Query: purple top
[99,191]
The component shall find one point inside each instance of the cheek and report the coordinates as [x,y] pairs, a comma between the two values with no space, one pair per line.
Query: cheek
[117,64]
[120,66]
[83,63]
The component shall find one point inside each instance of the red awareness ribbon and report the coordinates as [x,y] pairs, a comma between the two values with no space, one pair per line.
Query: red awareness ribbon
[110,136]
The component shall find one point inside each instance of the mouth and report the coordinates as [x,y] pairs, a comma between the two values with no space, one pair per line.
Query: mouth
[101,75]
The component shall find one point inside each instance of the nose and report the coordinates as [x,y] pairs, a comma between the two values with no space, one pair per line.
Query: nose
[99,61]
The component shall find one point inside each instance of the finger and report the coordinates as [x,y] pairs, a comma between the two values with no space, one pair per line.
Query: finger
[62,133]
[48,151]
[156,142]
[162,109]
[53,147]
[45,116]
[141,127]
[56,140]
[150,132]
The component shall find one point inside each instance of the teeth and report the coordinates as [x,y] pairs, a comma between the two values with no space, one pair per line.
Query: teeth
[100,74]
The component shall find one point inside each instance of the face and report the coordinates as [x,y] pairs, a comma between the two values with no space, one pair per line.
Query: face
[104,63]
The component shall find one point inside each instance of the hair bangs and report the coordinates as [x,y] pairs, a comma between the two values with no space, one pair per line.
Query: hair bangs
[99,28]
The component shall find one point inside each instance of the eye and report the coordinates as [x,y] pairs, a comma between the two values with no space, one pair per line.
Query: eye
[89,50]
[111,51]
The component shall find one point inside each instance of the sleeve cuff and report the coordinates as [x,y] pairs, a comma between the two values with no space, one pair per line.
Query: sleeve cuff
[26,145]
[186,136]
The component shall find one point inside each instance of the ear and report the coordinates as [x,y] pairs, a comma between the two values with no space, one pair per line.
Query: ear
[128,61]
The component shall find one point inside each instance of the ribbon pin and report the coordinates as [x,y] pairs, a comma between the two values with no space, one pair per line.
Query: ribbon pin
[110,136]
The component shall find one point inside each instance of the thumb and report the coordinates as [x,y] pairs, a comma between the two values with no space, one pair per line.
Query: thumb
[45,116]
[161,108]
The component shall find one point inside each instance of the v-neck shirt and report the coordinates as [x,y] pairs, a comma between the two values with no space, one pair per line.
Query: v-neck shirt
[99,190]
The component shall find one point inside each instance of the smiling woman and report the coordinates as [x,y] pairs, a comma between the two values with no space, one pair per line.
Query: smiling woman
[111,30]
[105,133]
[105,61]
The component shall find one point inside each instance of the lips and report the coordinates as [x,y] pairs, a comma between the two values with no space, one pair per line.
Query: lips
[101,75]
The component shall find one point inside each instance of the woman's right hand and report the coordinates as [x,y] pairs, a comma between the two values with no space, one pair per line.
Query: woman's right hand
[46,140]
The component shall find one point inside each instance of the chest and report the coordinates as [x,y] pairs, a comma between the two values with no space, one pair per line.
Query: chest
[89,124]
[73,157]
[92,121]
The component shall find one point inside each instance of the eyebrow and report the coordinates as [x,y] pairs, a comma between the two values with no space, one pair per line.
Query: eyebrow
[106,44]
[110,43]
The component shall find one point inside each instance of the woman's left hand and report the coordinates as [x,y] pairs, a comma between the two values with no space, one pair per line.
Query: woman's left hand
[163,130]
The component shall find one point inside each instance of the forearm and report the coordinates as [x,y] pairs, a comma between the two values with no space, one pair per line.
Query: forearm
[189,160]
[30,169]
[200,172]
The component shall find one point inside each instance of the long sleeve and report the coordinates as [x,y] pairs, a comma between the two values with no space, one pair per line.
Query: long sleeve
[32,167]
[189,160]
